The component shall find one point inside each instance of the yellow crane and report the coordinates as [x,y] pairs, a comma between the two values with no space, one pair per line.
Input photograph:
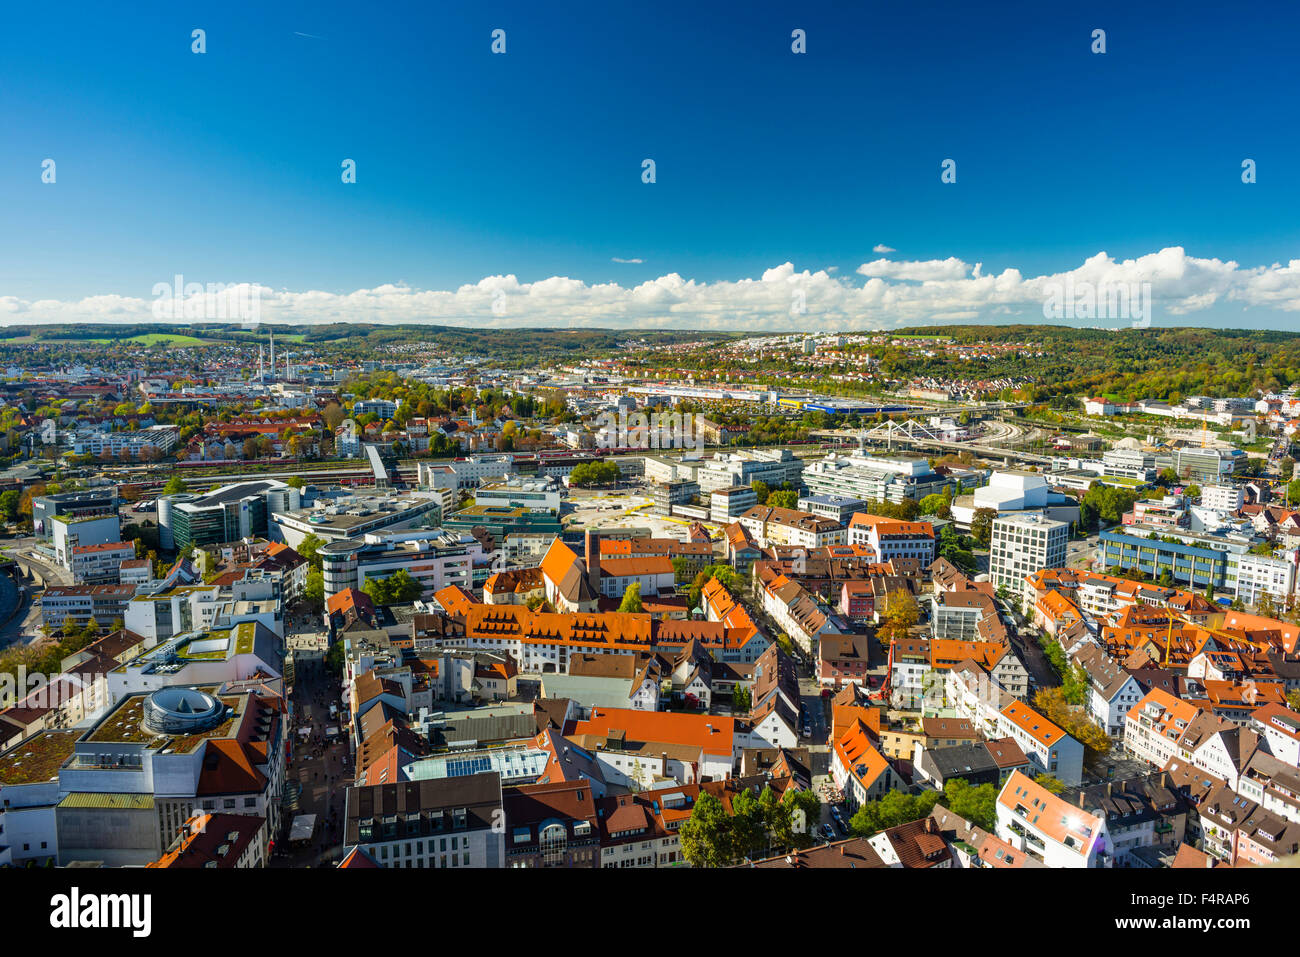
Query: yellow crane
[1216,632]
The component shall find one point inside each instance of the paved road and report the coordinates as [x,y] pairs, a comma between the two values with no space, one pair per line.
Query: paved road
[1041,672]
[814,713]
[1081,554]
[20,617]
[50,574]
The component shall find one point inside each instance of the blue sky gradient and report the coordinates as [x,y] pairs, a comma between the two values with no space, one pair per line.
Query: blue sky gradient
[225,166]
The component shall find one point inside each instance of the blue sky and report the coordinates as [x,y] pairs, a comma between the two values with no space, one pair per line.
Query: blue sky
[225,167]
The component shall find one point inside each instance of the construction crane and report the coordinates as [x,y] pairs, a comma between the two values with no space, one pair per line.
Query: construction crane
[1216,632]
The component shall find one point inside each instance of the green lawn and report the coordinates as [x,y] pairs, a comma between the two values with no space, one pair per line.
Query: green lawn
[168,338]
[147,339]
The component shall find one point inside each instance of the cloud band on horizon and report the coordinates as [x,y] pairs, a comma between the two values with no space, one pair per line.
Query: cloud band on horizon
[894,293]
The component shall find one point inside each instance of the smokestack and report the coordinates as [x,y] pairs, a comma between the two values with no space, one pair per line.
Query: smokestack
[663,763]
[591,554]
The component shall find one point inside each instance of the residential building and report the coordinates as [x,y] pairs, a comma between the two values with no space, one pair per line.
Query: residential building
[105,603]
[786,526]
[450,822]
[1039,823]
[551,825]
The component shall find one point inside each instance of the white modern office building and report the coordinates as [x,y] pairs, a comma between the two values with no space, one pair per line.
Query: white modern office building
[1023,544]
[71,532]
[435,559]
[726,469]
[467,472]
[1010,492]
[1224,498]
[1260,575]
[873,478]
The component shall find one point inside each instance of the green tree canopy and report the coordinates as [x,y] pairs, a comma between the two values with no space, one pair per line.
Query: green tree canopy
[981,526]
[310,548]
[895,808]
[783,499]
[314,590]
[706,837]
[631,602]
[397,589]
[976,803]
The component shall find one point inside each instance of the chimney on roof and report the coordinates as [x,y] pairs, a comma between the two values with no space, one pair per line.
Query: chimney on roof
[1080,797]
[663,765]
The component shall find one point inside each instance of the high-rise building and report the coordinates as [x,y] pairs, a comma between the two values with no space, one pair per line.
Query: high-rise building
[1023,544]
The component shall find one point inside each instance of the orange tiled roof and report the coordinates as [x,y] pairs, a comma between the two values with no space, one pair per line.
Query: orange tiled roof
[1066,824]
[454,599]
[1033,723]
[856,750]
[710,733]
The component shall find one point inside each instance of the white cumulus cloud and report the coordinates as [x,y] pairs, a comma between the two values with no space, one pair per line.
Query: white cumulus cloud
[883,293]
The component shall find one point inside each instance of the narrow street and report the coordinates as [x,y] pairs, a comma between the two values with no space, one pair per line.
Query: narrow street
[322,768]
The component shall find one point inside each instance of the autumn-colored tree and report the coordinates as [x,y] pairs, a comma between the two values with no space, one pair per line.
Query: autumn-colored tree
[899,614]
[1051,702]
[1050,782]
